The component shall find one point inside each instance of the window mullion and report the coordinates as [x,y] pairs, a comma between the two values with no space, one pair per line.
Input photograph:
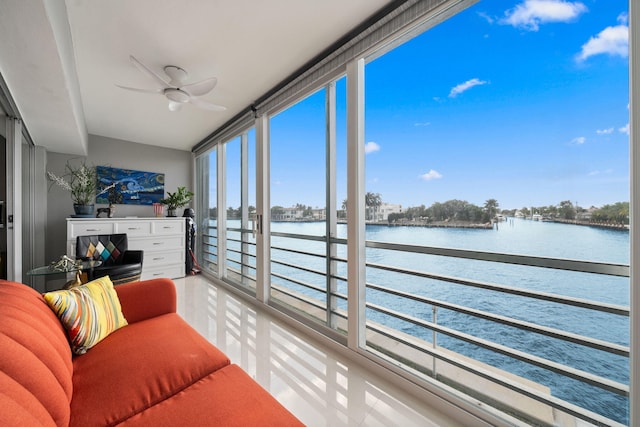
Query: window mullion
[263,211]
[355,205]
[222,209]
[330,205]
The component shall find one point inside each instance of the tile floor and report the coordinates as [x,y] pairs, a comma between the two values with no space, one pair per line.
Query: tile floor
[318,385]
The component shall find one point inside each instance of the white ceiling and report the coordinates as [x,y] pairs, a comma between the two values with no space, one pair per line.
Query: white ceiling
[61,61]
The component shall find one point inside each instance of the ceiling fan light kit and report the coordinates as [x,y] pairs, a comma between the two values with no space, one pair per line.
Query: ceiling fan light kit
[174,89]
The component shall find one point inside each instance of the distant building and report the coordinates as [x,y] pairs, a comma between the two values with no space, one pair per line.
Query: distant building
[382,213]
[319,213]
[586,215]
[289,214]
[296,213]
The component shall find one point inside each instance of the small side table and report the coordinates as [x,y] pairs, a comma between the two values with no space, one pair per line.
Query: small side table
[47,270]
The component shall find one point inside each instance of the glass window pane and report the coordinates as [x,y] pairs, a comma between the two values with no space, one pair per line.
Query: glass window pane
[510,138]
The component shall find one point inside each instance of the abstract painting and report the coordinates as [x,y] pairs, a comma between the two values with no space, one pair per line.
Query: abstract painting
[129,187]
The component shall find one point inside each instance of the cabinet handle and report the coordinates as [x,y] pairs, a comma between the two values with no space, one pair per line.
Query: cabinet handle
[93,229]
[168,227]
[158,258]
[133,228]
[157,274]
[158,243]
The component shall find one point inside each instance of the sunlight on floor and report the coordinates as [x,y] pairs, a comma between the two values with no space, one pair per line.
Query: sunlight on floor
[320,387]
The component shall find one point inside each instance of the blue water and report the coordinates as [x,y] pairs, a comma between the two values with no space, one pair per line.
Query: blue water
[516,236]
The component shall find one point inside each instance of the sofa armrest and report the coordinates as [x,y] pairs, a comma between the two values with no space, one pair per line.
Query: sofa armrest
[147,299]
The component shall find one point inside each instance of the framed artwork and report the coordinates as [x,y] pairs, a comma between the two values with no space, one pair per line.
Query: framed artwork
[129,187]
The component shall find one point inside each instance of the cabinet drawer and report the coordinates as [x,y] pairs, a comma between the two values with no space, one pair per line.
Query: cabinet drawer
[171,271]
[134,228]
[168,227]
[163,258]
[164,243]
[89,227]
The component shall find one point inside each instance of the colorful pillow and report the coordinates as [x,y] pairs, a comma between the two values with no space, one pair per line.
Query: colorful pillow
[89,312]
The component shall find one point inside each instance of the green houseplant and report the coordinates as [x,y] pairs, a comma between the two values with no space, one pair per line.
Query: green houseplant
[81,181]
[176,200]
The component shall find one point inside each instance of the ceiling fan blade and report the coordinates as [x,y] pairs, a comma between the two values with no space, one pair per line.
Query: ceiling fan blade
[206,105]
[200,88]
[175,106]
[149,72]
[135,89]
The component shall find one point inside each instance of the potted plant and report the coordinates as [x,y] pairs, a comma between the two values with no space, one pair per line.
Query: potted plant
[176,200]
[81,181]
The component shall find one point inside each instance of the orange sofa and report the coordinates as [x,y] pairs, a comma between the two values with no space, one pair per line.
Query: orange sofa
[157,371]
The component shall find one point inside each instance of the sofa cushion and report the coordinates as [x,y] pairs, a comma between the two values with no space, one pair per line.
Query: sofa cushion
[227,397]
[20,407]
[89,312]
[138,366]
[147,299]
[35,362]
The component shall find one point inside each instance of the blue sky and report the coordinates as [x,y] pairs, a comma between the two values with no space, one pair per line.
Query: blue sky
[522,101]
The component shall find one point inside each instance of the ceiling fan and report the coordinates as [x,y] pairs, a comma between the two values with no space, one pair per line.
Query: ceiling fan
[175,89]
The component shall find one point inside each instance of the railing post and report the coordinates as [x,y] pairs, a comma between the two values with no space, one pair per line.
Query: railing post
[434,339]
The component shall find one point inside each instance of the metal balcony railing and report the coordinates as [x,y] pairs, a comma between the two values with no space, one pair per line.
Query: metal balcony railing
[300,280]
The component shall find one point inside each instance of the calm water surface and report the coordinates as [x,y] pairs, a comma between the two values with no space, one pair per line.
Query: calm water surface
[515,236]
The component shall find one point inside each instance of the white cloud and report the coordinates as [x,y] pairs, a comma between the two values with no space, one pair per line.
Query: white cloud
[579,140]
[597,172]
[531,13]
[432,174]
[610,41]
[486,17]
[371,147]
[458,89]
[607,131]
[624,129]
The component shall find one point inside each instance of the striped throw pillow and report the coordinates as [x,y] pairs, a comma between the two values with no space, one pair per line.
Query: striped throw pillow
[89,312]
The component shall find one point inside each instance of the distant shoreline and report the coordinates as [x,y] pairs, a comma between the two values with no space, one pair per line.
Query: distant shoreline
[469,225]
[608,225]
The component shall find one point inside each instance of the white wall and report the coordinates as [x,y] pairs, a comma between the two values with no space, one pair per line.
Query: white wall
[175,164]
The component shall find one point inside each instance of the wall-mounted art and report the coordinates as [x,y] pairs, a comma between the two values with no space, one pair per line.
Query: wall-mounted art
[129,187]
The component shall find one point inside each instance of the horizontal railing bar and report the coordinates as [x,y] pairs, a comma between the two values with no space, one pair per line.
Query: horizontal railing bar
[299,282]
[240,264]
[610,269]
[502,381]
[299,236]
[243,242]
[240,230]
[300,297]
[295,251]
[608,347]
[308,270]
[577,374]
[577,302]
[241,252]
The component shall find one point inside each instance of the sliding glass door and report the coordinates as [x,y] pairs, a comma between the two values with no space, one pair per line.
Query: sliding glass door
[239,180]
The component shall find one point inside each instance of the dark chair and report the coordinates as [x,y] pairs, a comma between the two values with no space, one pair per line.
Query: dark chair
[120,264]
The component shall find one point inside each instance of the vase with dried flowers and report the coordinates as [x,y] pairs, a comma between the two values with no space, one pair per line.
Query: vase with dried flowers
[81,181]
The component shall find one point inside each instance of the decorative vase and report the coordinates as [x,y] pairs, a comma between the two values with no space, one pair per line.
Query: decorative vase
[171,212]
[83,209]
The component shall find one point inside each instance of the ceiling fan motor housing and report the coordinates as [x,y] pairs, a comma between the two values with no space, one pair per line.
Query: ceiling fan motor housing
[177,95]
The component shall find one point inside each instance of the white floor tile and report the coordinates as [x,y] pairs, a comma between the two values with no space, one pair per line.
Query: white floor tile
[319,386]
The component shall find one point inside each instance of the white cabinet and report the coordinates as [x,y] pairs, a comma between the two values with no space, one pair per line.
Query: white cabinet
[161,239]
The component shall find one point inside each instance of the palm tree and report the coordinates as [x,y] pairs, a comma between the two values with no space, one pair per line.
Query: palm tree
[491,208]
[373,200]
